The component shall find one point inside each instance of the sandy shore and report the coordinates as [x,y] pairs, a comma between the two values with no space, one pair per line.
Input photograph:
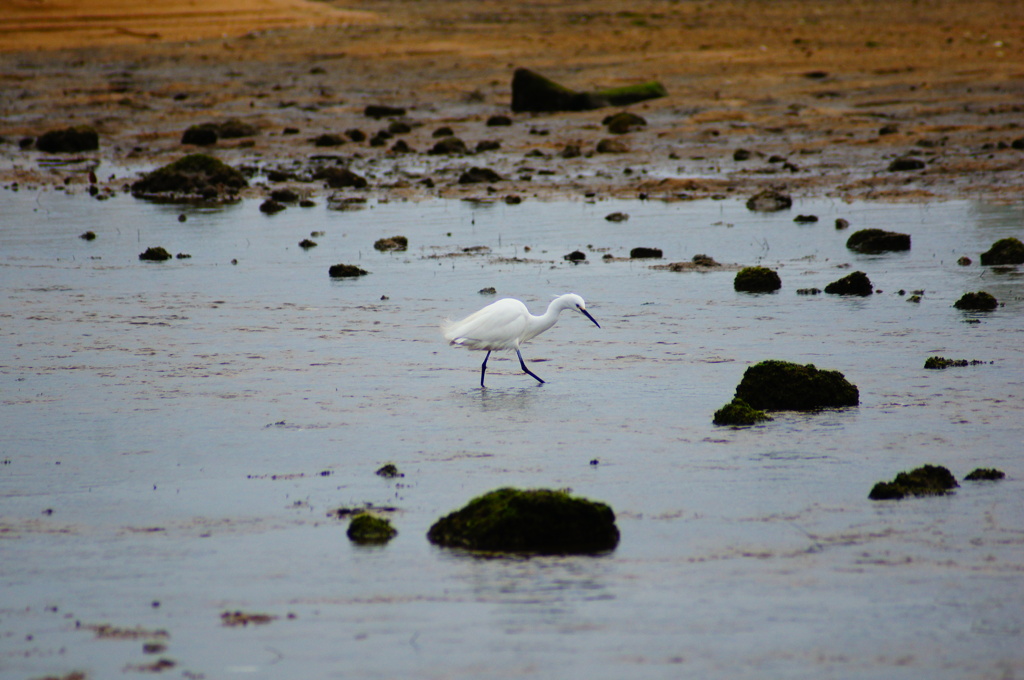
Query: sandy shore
[819,98]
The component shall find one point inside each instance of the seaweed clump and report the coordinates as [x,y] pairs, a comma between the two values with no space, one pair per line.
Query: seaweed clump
[985,475]
[538,521]
[856,283]
[1004,251]
[757,280]
[927,480]
[977,302]
[395,243]
[939,363]
[339,271]
[366,528]
[785,386]
[739,412]
[155,254]
[194,177]
[874,241]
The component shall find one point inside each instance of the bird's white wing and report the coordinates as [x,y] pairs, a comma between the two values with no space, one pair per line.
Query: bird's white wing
[497,326]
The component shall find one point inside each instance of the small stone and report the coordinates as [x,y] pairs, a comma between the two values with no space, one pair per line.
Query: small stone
[156,254]
[769,200]
[643,252]
[906,164]
[345,271]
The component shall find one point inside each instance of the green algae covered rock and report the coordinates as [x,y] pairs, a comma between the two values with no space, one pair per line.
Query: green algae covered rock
[784,386]
[856,283]
[927,480]
[757,280]
[874,241]
[196,176]
[977,302]
[985,475]
[739,412]
[366,528]
[1004,251]
[532,521]
[533,92]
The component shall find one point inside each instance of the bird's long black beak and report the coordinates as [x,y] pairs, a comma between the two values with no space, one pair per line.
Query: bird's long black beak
[587,314]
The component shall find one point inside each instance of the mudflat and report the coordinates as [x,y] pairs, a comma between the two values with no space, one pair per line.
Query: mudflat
[855,99]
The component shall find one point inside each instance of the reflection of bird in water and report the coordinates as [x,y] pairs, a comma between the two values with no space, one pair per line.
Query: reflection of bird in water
[507,324]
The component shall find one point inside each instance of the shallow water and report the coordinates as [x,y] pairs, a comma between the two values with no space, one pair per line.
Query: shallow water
[176,433]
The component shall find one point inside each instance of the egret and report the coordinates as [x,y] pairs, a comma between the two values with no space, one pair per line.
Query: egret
[507,324]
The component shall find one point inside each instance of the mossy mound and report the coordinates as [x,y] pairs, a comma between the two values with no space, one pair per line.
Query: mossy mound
[757,280]
[856,283]
[784,386]
[873,241]
[985,475]
[739,412]
[157,254]
[196,176]
[927,480]
[533,92]
[395,243]
[1005,251]
[69,140]
[977,302]
[339,271]
[532,521]
[366,528]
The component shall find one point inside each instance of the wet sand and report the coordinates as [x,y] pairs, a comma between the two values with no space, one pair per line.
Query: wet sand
[823,97]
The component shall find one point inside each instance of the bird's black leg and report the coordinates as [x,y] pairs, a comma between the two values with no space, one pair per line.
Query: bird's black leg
[523,364]
[483,368]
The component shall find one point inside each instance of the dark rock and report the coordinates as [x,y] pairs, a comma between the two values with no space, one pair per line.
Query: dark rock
[487,145]
[985,475]
[741,155]
[856,283]
[88,236]
[236,129]
[964,261]
[575,256]
[69,140]
[805,219]
[873,241]
[157,254]
[784,386]
[395,243]
[200,135]
[479,176]
[271,207]
[340,178]
[379,111]
[448,146]
[389,471]
[284,196]
[842,223]
[612,146]
[702,260]
[443,131]
[369,529]
[338,271]
[194,176]
[642,252]
[890,129]
[328,139]
[182,256]
[979,302]
[905,164]
[306,244]
[769,200]
[757,280]
[499,121]
[1004,251]
[808,291]
[927,480]
[571,151]
[356,135]
[617,217]
[531,521]
[739,412]
[939,363]
[623,122]
[399,127]
[401,146]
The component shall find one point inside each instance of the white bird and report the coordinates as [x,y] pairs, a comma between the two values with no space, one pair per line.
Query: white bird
[507,324]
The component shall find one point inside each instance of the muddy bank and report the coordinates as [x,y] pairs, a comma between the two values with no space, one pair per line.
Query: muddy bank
[859,100]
